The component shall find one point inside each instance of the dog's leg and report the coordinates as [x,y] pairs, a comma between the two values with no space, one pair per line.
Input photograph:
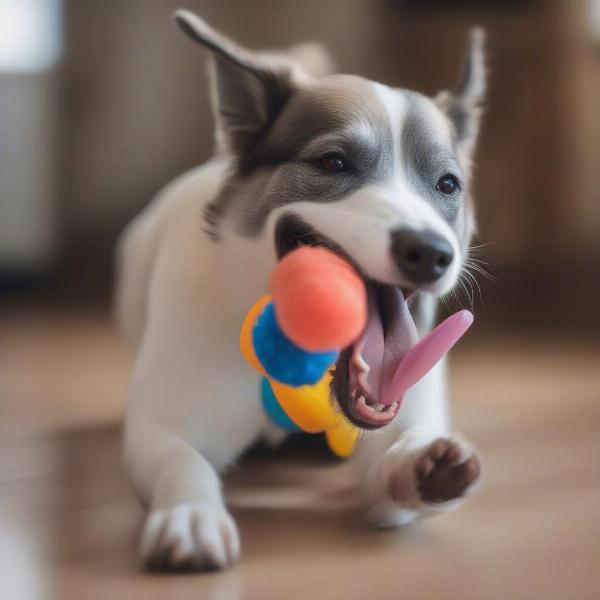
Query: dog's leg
[193,408]
[173,453]
[193,402]
[188,525]
[416,467]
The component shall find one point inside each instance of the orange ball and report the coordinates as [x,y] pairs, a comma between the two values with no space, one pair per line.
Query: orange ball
[320,300]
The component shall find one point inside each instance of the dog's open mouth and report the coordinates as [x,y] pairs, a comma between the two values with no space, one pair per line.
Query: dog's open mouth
[372,376]
[364,373]
[362,380]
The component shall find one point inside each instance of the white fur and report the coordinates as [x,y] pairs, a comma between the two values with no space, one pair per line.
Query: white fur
[361,223]
[190,411]
[410,210]
[194,402]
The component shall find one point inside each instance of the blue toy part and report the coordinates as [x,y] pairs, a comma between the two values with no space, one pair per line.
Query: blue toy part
[282,360]
[273,409]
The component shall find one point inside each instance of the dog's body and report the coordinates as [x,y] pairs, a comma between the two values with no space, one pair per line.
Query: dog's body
[200,255]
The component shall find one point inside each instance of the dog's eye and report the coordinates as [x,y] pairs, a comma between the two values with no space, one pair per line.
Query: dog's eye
[448,184]
[333,163]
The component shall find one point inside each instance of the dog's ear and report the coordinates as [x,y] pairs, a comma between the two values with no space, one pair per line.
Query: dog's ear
[463,104]
[250,89]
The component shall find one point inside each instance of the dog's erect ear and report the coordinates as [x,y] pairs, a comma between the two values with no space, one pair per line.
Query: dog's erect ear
[251,89]
[463,104]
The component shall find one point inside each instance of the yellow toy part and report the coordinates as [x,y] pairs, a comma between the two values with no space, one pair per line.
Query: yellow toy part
[246,333]
[343,438]
[309,406]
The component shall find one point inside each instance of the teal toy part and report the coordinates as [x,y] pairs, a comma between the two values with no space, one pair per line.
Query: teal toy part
[273,408]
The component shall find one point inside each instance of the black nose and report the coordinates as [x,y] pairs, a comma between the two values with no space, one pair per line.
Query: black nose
[422,256]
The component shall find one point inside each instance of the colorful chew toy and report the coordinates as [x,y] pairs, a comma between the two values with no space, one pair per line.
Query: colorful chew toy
[317,307]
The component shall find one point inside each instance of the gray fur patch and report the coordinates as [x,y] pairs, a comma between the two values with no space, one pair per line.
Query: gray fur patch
[341,115]
[427,157]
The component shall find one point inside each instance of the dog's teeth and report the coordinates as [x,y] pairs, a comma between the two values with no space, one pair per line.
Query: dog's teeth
[379,407]
[362,400]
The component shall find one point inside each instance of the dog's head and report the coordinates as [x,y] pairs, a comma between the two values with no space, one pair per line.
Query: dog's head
[379,174]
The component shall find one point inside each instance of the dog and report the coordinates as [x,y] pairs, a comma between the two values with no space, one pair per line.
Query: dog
[303,156]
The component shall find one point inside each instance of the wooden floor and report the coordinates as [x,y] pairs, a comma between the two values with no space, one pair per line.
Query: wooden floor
[69,520]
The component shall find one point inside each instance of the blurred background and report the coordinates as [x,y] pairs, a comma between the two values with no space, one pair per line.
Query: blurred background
[102,103]
[97,101]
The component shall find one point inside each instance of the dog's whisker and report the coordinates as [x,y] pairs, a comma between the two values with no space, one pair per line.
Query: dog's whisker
[472,278]
[484,260]
[469,291]
[460,294]
[456,298]
[481,252]
[481,247]
[470,271]
[444,301]
[467,278]
[471,259]
[479,265]
[480,260]
[481,271]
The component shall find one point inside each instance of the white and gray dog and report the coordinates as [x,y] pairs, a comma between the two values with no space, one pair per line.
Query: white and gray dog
[303,156]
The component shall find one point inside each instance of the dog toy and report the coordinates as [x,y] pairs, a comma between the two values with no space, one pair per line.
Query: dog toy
[317,307]
[293,337]
[321,300]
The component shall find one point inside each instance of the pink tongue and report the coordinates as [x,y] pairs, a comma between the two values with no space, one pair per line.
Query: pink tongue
[422,357]
[382,351]
[396,357]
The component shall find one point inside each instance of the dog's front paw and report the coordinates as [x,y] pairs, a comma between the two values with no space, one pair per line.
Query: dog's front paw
[445,472]
[441,472]
[190,537]
[409,483]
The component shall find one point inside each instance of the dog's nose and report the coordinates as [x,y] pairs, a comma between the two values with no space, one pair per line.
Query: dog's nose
[422,256]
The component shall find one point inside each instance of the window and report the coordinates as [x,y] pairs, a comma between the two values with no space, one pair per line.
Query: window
[30,35]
